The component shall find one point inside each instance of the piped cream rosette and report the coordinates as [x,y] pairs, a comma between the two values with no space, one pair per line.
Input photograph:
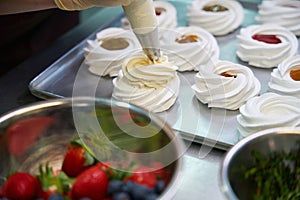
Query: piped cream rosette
[282,12]
[219,17]
[285,79]
[153,86]
[272,45]
[269,110]
[190,47]
[166,15]
[227,85]
[105,54]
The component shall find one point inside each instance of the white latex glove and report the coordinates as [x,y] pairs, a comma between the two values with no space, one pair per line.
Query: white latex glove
[84,4]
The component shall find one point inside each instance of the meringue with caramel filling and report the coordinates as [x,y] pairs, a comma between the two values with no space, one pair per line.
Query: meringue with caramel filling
[282,12]
[219,17]
[165,12]
[190,47]
[105,54]
[151,85]
[227,85]
[266,45]
[267,111]
[285,79]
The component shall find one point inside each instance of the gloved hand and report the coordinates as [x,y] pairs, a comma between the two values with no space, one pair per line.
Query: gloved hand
[84,4]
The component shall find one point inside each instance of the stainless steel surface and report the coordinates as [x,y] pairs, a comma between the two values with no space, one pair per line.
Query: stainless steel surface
[108,140]
[195,121]
[200,180]
[233,182]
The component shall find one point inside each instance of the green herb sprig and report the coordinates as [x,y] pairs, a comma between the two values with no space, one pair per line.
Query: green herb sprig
[277,176]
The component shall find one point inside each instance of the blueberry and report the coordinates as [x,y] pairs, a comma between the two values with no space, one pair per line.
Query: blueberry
[151,196]
[56,197]
[159,186]
[121,196]
[128,187]
[115,186]
[140,192]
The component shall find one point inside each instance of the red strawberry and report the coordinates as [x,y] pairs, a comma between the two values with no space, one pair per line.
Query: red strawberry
[76,160]
[91,183]
[161,172]
[22,134]
[21,185]
[143,176]
[53,182]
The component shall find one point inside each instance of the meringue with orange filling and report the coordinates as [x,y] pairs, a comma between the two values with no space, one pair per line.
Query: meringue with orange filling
[190,47]
[105,54]
[165,12]
[227,85]
[151,85]
[219,17]
[285,79]
[270,110]
[282,12]
[266,45]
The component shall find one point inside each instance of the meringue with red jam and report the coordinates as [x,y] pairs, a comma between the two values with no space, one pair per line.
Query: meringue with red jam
[266,45]
[219,17]
[227,85]
[282,12]
[151,85]
[285,79]
[270,110]
[165,12]
[190,47]
[105,54]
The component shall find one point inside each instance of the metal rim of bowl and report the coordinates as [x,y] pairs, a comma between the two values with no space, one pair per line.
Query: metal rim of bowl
[225,184]
[174,184]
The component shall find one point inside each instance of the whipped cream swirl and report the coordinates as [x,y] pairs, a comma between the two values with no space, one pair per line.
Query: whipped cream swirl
[269,110]
[282,79]
[153,86]
[282,12]
[262,54]
[166,15]
[105,54]
[227,85]
[190,47]
[217,23]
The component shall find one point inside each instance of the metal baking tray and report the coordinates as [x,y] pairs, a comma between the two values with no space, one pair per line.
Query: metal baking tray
[192,119]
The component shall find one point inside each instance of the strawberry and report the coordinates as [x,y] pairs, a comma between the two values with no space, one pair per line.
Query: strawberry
[77,159]
[91,183]
[21,185]
[143,176]
[23,134]
[161,172]
[53,182]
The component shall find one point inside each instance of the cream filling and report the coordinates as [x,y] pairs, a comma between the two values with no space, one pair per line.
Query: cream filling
[152,85]
[269,110]
[230,92]
[281,80]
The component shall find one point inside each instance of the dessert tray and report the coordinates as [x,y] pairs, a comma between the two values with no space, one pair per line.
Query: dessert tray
[69,76]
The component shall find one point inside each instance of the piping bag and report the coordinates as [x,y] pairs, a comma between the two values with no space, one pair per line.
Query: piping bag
[143,20]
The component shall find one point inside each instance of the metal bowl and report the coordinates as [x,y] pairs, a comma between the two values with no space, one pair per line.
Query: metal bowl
[113,131]
[233,182]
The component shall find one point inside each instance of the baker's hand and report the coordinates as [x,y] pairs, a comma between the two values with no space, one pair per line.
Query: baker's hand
[84,4]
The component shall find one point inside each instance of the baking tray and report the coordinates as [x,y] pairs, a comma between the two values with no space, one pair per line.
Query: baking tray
[68,77]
